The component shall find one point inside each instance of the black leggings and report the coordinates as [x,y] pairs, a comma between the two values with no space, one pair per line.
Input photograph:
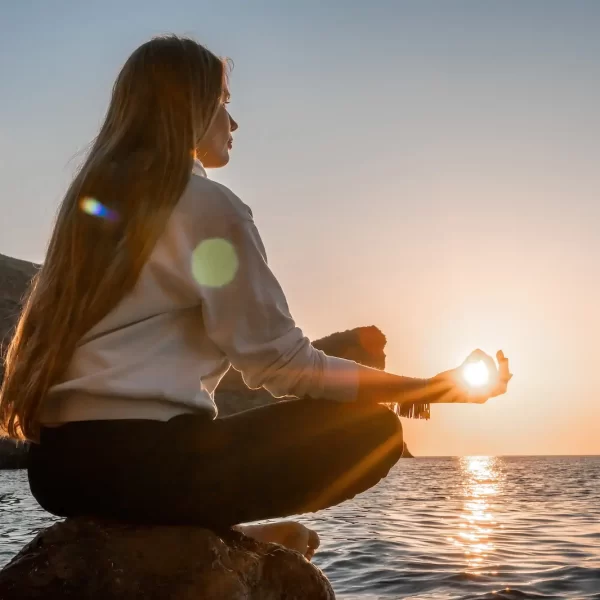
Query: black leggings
[287,458]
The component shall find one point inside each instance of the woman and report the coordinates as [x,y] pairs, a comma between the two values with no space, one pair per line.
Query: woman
[155,283]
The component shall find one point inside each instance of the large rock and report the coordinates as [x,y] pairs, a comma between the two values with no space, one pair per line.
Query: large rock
[406,452]
[84,559]
[15,276]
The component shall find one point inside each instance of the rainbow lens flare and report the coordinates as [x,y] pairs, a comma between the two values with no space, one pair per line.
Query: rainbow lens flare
[91,206]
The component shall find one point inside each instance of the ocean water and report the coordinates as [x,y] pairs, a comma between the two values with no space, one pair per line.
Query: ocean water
[436,529]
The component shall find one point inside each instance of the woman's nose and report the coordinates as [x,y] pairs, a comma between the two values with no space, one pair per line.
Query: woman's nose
[232,123]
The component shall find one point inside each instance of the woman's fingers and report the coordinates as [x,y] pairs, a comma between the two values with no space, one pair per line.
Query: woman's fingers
[504,374]
[503,369]
[477,355]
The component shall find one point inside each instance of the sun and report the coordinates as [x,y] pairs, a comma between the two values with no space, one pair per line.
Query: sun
[476,373]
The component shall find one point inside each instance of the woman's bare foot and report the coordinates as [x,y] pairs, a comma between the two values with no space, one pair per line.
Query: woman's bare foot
[291,534]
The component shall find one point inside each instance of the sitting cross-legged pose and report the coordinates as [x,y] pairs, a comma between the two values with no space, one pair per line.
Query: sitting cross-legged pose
[155,283]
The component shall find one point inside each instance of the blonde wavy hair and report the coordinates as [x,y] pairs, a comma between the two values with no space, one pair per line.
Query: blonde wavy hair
[163,102]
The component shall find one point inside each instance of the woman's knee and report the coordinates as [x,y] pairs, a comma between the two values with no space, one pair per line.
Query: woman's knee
[364,427]
[382,444]
[389,427]
[387,442]
[376,420]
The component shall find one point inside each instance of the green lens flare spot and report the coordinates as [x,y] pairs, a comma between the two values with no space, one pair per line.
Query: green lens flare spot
[214,262]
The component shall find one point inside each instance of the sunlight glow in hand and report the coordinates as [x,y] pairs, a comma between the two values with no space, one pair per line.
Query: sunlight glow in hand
[476,373]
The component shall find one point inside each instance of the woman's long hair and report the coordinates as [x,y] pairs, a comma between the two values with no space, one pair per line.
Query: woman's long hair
[163,102]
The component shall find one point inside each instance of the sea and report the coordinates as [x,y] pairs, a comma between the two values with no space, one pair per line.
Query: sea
[477,527]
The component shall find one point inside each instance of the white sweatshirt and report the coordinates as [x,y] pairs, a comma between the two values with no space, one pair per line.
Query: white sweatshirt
[205,300]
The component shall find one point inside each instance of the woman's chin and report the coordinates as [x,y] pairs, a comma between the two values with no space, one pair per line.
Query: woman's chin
[217,161]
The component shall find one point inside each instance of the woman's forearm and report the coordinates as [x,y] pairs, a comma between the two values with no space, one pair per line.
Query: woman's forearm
[375,386]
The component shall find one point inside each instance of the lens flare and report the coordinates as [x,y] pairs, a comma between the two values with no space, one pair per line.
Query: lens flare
[214,262]
[476,374]
[93,207]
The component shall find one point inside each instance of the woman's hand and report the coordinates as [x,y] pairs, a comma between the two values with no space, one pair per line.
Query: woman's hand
[454,388]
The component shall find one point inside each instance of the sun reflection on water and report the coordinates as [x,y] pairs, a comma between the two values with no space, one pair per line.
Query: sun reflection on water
[481,482]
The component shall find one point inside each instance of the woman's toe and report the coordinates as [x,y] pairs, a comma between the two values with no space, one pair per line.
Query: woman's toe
[313,543]
[313,539]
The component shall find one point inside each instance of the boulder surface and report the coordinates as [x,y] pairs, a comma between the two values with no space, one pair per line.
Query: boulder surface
[85,559]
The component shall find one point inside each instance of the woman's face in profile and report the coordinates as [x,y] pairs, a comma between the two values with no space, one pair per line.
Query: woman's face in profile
[213,150]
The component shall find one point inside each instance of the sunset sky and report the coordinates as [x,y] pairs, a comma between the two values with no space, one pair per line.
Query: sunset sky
[430,167]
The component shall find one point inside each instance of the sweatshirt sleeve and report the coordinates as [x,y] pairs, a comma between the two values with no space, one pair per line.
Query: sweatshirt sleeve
[246,315]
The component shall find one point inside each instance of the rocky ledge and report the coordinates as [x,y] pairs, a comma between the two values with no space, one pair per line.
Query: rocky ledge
[84,559]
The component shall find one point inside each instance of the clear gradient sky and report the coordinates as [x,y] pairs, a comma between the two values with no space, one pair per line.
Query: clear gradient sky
[430,167]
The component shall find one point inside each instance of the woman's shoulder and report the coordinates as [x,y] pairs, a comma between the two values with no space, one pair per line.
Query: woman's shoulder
[205,198]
